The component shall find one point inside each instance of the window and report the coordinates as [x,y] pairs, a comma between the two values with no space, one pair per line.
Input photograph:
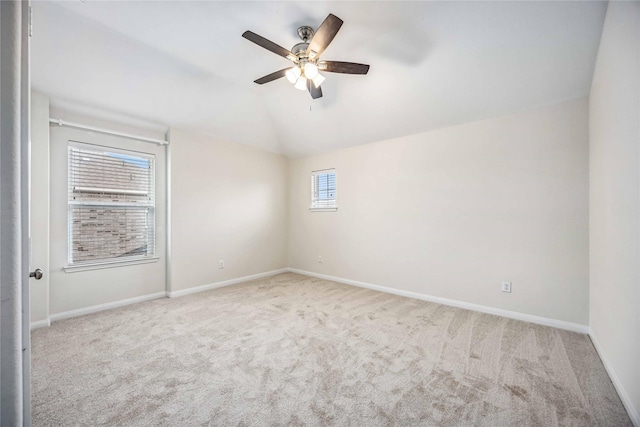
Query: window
[323,190]
[111,205]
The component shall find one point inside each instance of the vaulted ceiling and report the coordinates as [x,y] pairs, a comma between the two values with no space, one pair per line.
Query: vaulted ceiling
[433,64]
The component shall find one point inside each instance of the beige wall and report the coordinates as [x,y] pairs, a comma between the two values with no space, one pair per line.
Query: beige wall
[453,212]
[229,202]
[78,290]
[39,221]
[614,128]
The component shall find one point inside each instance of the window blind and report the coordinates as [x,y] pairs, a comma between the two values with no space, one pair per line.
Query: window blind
[323,189]
[111,204]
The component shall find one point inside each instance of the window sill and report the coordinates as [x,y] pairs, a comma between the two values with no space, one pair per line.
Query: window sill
[108,264]
[323,209]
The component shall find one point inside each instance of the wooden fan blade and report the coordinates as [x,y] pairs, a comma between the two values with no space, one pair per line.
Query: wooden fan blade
[321,39]
[343,67]
[269,45]
[316,92]
[271,77]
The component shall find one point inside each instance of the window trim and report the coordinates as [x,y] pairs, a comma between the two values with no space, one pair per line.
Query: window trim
[333,208]
[110,262]
[73,268]
[323,209]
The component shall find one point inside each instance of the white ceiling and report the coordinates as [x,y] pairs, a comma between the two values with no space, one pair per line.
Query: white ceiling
[433,64]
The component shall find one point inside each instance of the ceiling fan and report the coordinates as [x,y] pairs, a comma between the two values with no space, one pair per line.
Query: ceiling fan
[306,57]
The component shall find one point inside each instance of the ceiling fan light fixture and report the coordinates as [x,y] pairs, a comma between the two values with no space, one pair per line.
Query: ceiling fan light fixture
[292,74]
[306,57]
[310,70]
[318,79]
[301,83]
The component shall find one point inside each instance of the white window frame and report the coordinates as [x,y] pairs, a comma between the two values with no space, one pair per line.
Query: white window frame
[152,206]
[316,206]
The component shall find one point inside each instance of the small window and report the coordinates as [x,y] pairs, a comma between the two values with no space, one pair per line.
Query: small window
[111,205]
[323,190]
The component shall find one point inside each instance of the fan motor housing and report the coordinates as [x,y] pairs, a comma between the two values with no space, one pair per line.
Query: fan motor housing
[300,49]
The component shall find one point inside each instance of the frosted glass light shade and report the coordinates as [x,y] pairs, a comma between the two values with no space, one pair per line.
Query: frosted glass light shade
[310,70]
[318,79]
[301,83]
[292,74]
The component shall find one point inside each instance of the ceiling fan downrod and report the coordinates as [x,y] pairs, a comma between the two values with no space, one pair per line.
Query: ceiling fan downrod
[306,33]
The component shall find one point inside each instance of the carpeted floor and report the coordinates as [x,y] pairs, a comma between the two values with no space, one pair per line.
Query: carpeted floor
[293,350]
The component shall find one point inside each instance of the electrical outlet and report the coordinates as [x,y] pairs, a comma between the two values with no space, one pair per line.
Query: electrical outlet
[320,258]
[506,287]
[221,263]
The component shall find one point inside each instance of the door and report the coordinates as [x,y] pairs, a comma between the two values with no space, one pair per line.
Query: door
[14,212]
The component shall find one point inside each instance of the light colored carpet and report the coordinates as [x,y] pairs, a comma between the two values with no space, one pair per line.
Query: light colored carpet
[293,350]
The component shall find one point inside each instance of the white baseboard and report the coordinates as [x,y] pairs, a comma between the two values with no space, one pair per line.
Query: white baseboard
[40,324]
[229,282]
[561,324]
[106,306]
[121,303]
[624,397]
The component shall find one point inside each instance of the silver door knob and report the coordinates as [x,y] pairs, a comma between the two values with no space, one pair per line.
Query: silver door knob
[37,274]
